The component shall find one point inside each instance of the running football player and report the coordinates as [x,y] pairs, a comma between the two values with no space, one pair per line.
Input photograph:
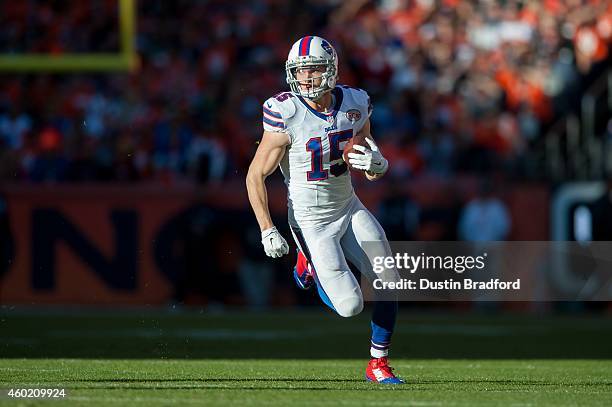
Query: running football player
[305,131]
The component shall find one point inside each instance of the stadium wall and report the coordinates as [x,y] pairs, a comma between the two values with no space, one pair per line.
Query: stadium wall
[110,244]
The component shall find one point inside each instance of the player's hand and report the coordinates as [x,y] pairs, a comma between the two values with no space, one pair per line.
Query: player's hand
[370,159]
[274,244]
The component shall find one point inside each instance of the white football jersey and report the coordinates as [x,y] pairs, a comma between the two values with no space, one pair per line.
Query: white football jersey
[318,181]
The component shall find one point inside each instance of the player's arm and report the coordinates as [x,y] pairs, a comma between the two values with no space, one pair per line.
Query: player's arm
[370,159]
[267,157]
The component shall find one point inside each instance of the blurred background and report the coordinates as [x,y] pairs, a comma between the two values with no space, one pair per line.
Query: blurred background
[127,127]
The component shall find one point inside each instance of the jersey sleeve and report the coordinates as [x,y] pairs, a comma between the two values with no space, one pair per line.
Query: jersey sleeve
[363,103]
[272,117]
[363,99]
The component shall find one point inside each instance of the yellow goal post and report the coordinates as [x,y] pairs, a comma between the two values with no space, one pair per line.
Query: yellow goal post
[125,60]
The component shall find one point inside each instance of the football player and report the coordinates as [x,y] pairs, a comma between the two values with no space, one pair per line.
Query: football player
[305,131]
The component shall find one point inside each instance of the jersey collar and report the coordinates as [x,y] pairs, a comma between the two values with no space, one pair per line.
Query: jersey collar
[338,94]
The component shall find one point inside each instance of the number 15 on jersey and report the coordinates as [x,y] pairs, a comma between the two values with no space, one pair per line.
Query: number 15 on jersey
[315,146]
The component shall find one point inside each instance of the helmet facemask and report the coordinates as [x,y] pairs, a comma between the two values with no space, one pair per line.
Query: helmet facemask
[328,78]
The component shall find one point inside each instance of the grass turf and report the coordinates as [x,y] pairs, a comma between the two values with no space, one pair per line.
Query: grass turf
[138,358]
[314,382]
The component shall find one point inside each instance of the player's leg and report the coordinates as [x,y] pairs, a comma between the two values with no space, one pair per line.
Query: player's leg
[335,282]
[365,228]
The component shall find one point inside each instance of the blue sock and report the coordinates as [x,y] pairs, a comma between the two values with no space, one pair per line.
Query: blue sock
[383,322]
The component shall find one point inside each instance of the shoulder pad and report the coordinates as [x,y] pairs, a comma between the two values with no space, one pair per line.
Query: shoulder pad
[360,97]
[284,103]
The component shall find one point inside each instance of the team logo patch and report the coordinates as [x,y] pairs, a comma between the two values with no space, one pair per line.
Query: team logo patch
[325,45]
[353,115]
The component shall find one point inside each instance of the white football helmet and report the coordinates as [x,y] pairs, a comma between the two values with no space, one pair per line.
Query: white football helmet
[312,51]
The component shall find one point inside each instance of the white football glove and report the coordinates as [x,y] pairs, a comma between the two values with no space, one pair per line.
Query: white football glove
[371,160]
[274,244]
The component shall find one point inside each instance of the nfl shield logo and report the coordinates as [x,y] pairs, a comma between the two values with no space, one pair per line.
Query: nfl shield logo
[330,118]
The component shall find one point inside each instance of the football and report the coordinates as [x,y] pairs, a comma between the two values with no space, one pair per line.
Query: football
[348,148]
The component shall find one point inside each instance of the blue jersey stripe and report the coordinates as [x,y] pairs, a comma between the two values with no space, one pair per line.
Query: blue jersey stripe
[271,113]
[273,123]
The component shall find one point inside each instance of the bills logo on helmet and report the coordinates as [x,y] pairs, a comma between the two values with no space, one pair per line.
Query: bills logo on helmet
[353,115]
[325,45]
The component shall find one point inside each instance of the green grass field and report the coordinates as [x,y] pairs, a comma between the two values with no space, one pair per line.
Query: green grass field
[303,358]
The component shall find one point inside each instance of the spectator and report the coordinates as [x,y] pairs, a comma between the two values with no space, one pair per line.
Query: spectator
[13,128]
[456,85]
[484,218]
[398,214]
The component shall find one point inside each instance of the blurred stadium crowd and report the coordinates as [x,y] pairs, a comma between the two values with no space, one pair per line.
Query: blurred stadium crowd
[458,86]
